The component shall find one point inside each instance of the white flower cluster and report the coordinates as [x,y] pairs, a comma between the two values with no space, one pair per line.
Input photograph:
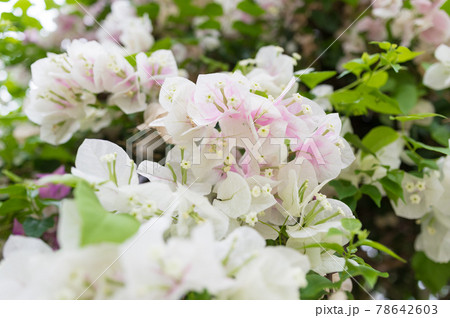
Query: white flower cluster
[427,199]
[74,90]
[122,27]
[148,266]
[245,167]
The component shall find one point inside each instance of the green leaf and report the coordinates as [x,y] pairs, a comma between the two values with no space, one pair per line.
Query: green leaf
[406,95]
[248,29]
[35,227]
[22,4]
[13,205]
[210,24]
[204,295]
[131,59]
[316,286]
[379,137]
[369,60]
[213,10]
[343,188]
[331,246]
[356,66]
[372,192]
[162,44]
[440,133]
[392,184]
[370,275]
[314,78]
[381,247]
[352,225]
[415,116]
[417,144]
[422,162]
[17,191]
[99,225]
[434,275]
[251,8]
[334,231]
[446,7]
[356,142]
[151,9]
[377,79]
[374,99]
[405,54]
[50,4]
[384,45]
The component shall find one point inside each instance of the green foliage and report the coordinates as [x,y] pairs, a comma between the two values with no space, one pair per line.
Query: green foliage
[414,144]
[204,295]
[250,7]
[406,95]
[392,184]
[354,265]
[379,137]
[415,117]
[421,162]
[151,9]
[381,248]
[99,225]
[315,78]
[373,192]
[371,72]
[356,142]
[343,188]
[36,227]
[248,29]
[316,287]
[351,225]
[446,7]
[433,275]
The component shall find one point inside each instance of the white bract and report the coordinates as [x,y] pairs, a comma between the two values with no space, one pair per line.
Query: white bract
[75,90]
[437,76]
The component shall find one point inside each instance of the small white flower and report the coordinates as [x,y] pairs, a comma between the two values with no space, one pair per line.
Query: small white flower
[185,164]
[409,187]
[229,160]
[330,127]
[307,109]
[251,219]
[209,98]
[256,86]
[264,131]
[267,188]
[415,199]
[297,97]
[256,191]
[268,173]
[233,101]
[420,185]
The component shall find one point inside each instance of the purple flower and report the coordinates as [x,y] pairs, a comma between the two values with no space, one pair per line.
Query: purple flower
[54,191]
[18,228]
